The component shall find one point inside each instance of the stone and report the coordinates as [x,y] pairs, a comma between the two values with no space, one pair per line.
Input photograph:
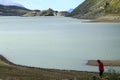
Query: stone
[118,77]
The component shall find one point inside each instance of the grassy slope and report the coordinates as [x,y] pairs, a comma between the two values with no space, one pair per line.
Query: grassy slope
[97,8]
[114,7]
[10,71]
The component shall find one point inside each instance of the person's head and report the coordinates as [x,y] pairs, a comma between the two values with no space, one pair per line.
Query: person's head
[98,61]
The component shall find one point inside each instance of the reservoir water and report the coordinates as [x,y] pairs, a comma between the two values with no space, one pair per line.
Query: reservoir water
[58,42]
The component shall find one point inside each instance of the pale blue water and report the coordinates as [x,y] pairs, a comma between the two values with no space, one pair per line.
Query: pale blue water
[58,42]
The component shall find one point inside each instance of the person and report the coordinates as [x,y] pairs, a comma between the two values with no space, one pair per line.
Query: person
[101,68]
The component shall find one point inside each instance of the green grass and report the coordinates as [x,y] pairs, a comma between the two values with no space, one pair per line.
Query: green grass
[113,8]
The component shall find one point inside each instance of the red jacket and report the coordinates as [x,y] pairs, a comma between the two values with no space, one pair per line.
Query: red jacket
[101,66]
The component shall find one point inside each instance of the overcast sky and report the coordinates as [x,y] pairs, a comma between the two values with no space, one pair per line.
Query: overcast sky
[60,5]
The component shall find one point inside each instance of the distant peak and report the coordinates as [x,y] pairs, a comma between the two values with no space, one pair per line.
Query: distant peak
[10,3]
[70,10]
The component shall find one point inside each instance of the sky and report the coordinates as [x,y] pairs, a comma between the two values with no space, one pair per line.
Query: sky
[60,5]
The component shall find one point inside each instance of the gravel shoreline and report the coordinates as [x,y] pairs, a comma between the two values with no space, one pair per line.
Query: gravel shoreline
[105,62]
[107,19]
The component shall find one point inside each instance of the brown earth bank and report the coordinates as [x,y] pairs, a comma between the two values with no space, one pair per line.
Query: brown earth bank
[11,71]
[107,19]
[105,62]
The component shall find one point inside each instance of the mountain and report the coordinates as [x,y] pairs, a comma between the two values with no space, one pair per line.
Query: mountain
[92,9]
[12,10]
[70,10]
[21,11]
[10,3]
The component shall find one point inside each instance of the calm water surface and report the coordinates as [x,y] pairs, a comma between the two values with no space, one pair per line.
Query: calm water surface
[58,42]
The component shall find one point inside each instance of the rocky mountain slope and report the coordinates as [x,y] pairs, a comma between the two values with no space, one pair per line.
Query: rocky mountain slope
[96,8]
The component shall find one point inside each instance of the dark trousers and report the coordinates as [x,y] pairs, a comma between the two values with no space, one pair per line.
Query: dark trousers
[101,73]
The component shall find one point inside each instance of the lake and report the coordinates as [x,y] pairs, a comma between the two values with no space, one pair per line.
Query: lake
[58,42]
